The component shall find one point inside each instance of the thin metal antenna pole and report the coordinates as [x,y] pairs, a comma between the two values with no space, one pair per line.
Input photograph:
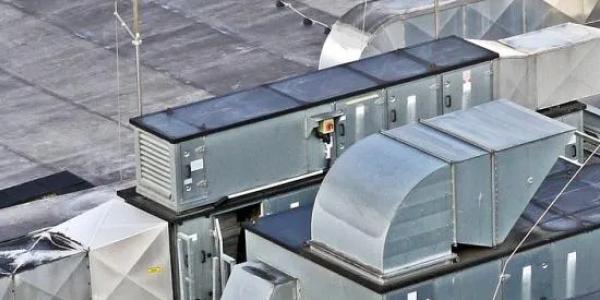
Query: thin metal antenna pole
[436,14]
[137,42]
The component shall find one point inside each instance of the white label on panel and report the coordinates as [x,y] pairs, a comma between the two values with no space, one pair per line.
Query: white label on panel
[411,296]
[197,164]
[526,283]
[295,205]
[571,272]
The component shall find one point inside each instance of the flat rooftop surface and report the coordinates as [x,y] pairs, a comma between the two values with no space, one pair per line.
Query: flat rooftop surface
[58,83]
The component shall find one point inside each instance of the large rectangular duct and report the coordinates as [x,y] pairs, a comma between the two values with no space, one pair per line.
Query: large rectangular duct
[410,193]
[548,67]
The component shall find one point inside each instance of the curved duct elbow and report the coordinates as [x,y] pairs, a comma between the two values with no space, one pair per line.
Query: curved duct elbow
[385,204]
[400,199]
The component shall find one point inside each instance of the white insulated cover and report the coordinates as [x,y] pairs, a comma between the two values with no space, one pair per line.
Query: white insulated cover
[129,254]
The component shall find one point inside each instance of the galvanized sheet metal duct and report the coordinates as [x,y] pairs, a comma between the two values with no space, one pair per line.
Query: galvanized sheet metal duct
[548,67]
[385,25]
[400,199]
[258,281]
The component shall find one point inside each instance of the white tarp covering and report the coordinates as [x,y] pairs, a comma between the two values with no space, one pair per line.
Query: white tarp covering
[129,254]
[64,279]
[43,266]
[548,67]
[5,286]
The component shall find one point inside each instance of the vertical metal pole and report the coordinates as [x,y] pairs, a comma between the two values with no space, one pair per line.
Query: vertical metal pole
[137,42]
[436,15]
[136,16]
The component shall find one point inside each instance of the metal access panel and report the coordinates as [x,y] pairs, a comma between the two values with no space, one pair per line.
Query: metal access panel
[298,198]
[195,249]
[360,117]
[413,101]
[459,285]
[466,88]
[529,276]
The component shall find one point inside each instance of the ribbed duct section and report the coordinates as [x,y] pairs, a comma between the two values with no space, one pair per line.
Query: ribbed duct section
[399,200]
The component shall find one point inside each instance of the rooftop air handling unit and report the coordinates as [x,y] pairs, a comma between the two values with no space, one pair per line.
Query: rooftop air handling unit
[218,149]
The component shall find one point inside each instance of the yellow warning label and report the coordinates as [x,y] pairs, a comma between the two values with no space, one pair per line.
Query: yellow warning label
[154,270]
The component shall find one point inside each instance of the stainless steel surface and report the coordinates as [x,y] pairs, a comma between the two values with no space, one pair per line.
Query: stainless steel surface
[258,281]
[564,269]
[393,24]
[314,281]
[409,193]
[362,197]
[548,67]
[197,267]
[277,204]
[362,116]
[190,174]
[520,158]
[471,180]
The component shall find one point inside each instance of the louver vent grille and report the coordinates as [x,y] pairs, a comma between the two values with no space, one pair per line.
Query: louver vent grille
[155,165]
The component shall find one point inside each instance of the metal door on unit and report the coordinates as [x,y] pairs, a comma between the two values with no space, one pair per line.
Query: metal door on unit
[195,253]
[361,117]
[466,88]
[412,101]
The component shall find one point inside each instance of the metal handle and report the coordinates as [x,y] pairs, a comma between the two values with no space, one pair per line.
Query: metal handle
[187,280]
[448,101]
[393,116]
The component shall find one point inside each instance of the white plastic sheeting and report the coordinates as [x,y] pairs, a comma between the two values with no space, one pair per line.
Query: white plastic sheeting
[5,286]
[129,254]
[43,266]
[548,67]
[65,279]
